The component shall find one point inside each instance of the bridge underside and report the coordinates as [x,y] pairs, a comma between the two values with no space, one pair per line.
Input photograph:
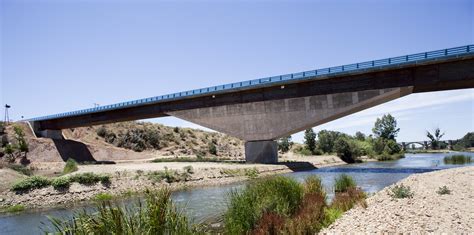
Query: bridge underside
[260,123]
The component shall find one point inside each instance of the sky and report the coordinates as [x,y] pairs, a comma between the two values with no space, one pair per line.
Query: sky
[59,56]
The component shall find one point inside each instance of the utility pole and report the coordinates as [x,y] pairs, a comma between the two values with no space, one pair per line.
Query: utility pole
[7,117]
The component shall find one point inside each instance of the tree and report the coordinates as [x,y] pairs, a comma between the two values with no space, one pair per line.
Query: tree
[346,149]
[435,138]
[310,140]
[284,144]
[360,136]
[386,127]
[326,140]
[465,142]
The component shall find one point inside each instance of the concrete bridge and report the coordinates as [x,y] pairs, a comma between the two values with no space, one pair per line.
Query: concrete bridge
[262,110]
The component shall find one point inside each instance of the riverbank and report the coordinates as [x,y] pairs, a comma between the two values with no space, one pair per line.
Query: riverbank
[131,178]
[426,212]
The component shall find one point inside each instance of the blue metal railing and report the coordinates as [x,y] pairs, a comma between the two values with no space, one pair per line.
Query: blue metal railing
[312,74]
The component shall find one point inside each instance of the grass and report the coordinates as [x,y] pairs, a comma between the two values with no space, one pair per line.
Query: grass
[89,178]
[457,159]
[389,157]
[443,190]
[156,214]
[343,182]
[280,205]
[30,183]
[401,191]
[71,166]
[171,176]
[20,168]
[251,173]
[103,197]
[190,159]
[13,208]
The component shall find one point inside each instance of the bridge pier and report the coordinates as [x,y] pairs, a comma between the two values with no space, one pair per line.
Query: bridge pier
[265,151]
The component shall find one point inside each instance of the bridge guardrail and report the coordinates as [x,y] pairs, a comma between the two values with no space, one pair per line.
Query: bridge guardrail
[374,64]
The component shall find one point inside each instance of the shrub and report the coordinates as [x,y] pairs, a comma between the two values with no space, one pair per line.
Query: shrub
[343,183]
[71,166]
[252,173]
[61,183]
[457,159]
[347,150]
[401,191]
[89,178]
[344,201]
[330,215]
[30,183]
[20,168]
[102,131]
[443,190]
[313,184]
[280,195]
[212,149]
[155,215]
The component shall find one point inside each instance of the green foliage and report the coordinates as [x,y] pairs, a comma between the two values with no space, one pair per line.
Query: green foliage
[443,190]
[310,140]
[103,197]
[212,148]
[347,149]
[387,157]
[20,168]
[343,183]
[302,150]
[30,183]
[61,183]
[331,214]
[360,136]
[435,138]
[313,184]
[467,141]
[8,149]
[102,131]
[284,144]
[280,195]
[327,140]
[188,159]
[71,166]
[386,127]
[170,176]
[401,191]
[458,159]
[14,208]
[20,138]
[89,178]
[345,200]
[251,173]
[155,215]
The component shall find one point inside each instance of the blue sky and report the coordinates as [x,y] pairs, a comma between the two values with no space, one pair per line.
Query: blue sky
[60,56]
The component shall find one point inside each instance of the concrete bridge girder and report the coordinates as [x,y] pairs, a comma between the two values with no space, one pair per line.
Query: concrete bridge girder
[268,120]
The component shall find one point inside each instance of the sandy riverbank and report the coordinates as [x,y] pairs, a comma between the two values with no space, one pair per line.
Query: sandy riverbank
[425,212]
[130,177]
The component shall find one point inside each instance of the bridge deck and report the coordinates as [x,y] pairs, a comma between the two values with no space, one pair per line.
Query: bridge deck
[350,69]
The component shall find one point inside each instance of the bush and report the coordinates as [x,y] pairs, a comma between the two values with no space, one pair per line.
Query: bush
[15,208]
[345,200]
[313,184]
[251,173]
[71,166]
[443,190]
[30,183]
[212,149]
[331,214]
[61,183]
[457,159]
[156,215]
[89,178]
[347,150]
[280,195]
[20,168]
[102,131]
[343,183]
[401,191]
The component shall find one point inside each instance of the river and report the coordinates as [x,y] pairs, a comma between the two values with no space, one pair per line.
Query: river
[207,202]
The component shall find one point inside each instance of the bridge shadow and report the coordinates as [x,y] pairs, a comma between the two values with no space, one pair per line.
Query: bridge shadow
[298,166]
[70,149]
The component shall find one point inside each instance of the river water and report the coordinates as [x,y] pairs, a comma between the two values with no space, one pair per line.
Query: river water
[208,202]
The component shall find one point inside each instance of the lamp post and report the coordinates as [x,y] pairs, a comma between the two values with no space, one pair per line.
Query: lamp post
[7,117]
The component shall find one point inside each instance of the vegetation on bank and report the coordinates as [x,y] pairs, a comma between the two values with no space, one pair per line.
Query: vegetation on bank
[281,205]
[13,148]
[13,208]
[171,176]
[156,214]
[191,159]
[273,205]
[401,191]
[457,159]
[71,166]
[59,183]
[381,145]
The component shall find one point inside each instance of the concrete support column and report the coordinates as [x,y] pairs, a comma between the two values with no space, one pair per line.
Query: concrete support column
[52,134]
[265,151]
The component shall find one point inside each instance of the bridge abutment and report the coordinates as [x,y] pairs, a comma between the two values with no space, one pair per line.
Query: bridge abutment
[265,151]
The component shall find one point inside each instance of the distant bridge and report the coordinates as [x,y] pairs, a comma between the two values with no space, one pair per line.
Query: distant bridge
[262,110]
[426,144]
